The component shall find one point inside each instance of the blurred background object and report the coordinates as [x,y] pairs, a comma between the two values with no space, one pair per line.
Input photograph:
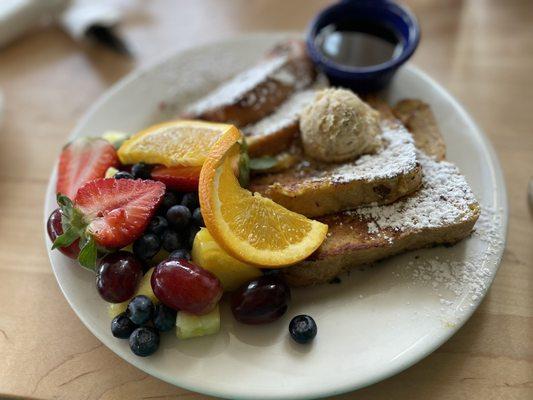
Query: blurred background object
[81,19]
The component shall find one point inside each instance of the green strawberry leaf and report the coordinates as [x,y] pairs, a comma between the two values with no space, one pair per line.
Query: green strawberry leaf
[66,239]
[64,201]
[88,255]
[262,163]
[244,165]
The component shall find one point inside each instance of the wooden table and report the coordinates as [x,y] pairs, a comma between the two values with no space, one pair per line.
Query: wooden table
[482,51]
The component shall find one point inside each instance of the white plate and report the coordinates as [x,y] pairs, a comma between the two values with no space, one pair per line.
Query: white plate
[374,324]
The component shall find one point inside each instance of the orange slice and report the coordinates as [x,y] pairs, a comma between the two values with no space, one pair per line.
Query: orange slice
[248,226]
[174,143]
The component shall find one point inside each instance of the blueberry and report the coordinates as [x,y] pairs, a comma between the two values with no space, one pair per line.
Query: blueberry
[197,218]
[171,240]
[123,175]
[164,318]
[190,200]
[169,199]
[144,341]
[192,234]
[158,225]
[302,329]
[181,254]
[141,171]
[146,246]
[179,216]
[140,309]
[122,326]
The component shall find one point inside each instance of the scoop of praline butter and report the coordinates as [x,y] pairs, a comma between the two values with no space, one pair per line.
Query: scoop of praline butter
[338,126]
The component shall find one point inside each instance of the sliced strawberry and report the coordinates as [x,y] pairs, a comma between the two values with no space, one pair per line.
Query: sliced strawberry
[82,161]
[118,210]
[184,179]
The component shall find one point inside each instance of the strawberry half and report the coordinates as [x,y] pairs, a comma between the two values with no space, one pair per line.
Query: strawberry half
[83,160]
[183,179]
[109,213]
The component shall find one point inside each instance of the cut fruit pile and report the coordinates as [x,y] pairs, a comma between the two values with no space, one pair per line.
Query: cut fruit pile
[248,226]
[135,228]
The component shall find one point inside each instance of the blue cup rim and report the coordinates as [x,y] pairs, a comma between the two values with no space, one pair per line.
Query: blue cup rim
[409,48]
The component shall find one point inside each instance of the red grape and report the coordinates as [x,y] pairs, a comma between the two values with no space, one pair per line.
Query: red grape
[182,285]
[260,301]
[55,229]
[117,276]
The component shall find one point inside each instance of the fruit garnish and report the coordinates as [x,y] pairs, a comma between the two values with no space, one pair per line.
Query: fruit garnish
[83,160]
[118,210]
[164,318]
[144,341]
[122,326]
[111,172]
[114,309]
[251,228]
[173,144]
[55,229]
[182,285]
[182,178]
[118,276]
[303,329]
[209,255]
[145,287]
[261,301]
[140,309]
[107,214]
[189,325]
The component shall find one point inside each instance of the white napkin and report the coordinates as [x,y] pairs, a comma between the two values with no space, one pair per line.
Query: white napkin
[84,13]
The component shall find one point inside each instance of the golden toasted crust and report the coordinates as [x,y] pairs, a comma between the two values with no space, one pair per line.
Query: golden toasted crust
[327,197]
[420,121]
[350,245]
[242,112]
[250,105]
[273,143]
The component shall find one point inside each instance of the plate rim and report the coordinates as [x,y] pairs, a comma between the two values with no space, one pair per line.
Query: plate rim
[495,171]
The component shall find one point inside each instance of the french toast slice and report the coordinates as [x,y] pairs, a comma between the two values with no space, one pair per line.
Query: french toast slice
[418,118]
[443,211]
[276,132]
[314,188]
[257,91]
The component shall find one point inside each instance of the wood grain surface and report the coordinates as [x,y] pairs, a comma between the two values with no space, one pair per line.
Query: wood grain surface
[481,50]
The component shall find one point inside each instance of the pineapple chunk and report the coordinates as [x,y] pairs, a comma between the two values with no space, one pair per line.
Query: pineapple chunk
[114,309]
[145,287]
[209,255]
[110,173]
[190,325]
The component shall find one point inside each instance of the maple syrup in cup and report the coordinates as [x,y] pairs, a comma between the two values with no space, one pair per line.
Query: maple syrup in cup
[365,47]
[360,44]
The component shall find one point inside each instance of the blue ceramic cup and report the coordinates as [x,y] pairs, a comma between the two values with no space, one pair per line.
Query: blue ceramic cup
[351,15]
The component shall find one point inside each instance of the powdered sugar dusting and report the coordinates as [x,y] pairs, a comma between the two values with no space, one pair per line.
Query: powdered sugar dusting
[397,157]
[286,115]
[444,199]
[460,283]
[488,228]
[232,91]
